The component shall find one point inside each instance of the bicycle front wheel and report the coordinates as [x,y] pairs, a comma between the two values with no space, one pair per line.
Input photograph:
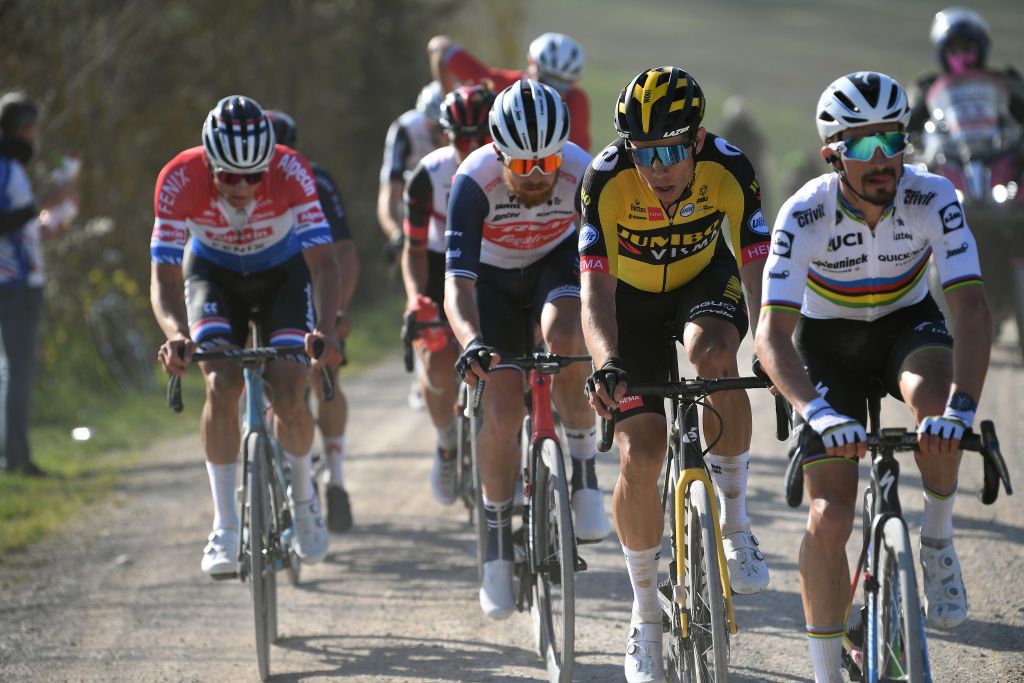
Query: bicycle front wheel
[707,647]
[554,547]
[261,572]
[895,640]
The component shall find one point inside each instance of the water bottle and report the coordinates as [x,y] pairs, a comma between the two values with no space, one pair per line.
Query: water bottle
[68,170]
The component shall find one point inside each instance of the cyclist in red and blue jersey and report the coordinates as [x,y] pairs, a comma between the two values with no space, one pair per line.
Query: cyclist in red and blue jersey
[511,263]
[239,228]
[332,416]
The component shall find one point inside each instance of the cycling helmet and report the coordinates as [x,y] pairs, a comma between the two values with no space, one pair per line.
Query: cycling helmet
[960,23]
[659,103]
[285,131]
[861,99]
[238,137]
[557,55]
[464,110]
[428,102]
[529,121]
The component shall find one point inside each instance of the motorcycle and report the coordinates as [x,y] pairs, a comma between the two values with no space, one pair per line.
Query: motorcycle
[971,139]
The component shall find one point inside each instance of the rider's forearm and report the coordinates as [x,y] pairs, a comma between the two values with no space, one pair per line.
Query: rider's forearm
[389,209]
[750,274]
[460,307]
[348,265]
[326,282]
[414,270]
[168,303]
[600,330]
[785,367]
[972,348]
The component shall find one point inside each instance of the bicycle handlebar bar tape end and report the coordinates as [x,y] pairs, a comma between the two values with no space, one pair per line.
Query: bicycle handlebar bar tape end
[795,478]
[174,393]
[782,418]
[604,442]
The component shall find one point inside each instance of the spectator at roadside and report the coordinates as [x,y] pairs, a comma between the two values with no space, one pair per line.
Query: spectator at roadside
[22,228]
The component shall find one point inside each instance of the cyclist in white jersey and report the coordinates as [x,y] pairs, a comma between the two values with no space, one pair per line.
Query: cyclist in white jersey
[847,273]
[464,118]
[512,262]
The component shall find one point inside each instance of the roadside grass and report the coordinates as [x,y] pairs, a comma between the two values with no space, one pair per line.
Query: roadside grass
[122,427]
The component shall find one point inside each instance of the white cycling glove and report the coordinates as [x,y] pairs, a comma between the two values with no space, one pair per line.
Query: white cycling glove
[954,421]
[834,428]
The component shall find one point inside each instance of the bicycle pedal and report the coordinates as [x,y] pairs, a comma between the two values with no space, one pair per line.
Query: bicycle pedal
[224,577]
[593,541]
[581,564]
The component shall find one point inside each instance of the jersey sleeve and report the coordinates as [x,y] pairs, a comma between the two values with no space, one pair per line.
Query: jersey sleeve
[783,281]
[740,195]
[311,227]
[468,69]
[419,203]
[397,148]
[601,202]
[953,246]
[170,230]
[464,234]
[579,117]
[330,202]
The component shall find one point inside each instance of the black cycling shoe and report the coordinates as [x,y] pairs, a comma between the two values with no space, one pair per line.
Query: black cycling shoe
[339,512]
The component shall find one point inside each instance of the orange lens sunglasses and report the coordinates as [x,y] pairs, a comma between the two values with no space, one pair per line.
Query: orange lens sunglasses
[547,165]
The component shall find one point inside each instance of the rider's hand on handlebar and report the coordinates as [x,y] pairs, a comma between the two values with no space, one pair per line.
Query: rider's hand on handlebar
[609,374]
[175,354]
[470,365]
[330,355]
[843,436]
[759,372]
[941,434]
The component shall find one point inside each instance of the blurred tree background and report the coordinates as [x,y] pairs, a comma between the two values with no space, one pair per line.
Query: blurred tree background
[127,84]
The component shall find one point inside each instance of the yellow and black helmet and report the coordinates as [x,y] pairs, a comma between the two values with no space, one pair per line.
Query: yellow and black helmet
[659,103]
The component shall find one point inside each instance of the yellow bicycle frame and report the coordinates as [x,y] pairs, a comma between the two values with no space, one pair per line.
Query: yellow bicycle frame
[688,476]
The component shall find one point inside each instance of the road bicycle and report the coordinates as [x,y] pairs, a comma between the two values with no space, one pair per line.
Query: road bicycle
[266,544]
[545,546]
[885,640]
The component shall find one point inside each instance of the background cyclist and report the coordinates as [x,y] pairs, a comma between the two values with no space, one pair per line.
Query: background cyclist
[845,275]
[256,236]
[332,416]
[511,263]
[464,119]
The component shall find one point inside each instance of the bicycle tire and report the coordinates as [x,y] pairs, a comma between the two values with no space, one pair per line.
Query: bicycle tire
[895,637]
[675,653]
[464,455]
[259,538]
[555,548]
[708,640]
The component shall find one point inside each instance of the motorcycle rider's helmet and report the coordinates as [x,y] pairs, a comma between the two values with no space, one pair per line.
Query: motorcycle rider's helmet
[958,25]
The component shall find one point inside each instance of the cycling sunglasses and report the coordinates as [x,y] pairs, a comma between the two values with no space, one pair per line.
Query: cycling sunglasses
[235,178]
[466,144]
[668,155]
[545,165]
[862,149]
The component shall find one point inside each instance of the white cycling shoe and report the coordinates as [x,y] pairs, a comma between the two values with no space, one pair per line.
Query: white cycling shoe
[643,653]
[748,572]
[496,590]
[310,530]
[589,519]
[945,598]
[220,556]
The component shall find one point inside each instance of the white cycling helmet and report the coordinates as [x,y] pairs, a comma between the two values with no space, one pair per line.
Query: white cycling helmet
[238,136]
[861,99]
[558,55]
[428,102]
[529,121]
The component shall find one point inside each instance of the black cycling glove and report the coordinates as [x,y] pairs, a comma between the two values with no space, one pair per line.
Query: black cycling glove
[473,353]
[609,374]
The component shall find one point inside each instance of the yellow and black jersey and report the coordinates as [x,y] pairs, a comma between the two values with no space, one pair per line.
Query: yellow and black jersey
[628,233]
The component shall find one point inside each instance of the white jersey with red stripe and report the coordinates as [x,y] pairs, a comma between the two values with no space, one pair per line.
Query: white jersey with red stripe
[284,218]
[488,225]
[427,192]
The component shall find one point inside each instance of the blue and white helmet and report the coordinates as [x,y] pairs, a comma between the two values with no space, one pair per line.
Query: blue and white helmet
[429,100]
[861,99]
[529,121]
[238,136]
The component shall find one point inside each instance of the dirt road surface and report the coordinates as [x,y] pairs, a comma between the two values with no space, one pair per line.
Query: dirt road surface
[119,595]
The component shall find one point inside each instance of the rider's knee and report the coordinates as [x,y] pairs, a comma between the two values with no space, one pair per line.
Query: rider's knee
[830,522]
[224,386]
[565,339]
[641,458]
[712,357]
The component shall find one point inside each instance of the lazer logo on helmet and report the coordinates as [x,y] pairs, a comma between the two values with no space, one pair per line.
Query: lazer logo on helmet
[677,131]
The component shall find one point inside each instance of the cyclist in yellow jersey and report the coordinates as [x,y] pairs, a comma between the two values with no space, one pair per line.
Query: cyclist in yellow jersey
[672,225]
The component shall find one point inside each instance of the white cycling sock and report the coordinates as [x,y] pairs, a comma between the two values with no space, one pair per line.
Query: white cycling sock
[937,521]
[447,436]
[581,442]
[729,475]
[826,646]
[302,477]
[222,485]
[499,529]
[643,575]
[335,451]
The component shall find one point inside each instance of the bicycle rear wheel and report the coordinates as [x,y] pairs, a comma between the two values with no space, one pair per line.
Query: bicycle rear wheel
[260,571]
[708,642]
[895,639]
[554,547]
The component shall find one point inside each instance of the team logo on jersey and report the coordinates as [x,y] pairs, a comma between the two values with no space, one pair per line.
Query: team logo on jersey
[606,159]
[686,210]
[588,235]
[962,249]
[805,217]
[655,213]
[850,239]
[952,216]
[783,245]
[727,149]
[917,198]
[758,224]
[666,244]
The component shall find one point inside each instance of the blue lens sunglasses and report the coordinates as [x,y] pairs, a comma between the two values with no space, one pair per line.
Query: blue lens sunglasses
[863,148]
[668,155]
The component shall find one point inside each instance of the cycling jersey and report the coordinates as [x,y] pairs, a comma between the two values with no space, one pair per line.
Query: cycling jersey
[487,224]
[468,69]
[409,139]
[826,262]
[21,260]
[426,198]
[284,218]
[330,202]
[629,234]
